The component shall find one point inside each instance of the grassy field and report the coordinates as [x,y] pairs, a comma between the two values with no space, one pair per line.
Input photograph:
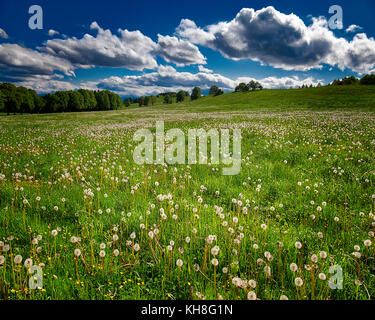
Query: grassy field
[73,202]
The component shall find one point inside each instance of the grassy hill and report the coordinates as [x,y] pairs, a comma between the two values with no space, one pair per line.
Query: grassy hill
[330,97]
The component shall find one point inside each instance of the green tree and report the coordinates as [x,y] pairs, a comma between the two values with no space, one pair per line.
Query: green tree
[368,79]
[103,100]
[63,101]
[196,93]
[242,87]
[141,101]
[52,103]
[76,101]
[2,100]
[147,101]
[127,102]
[180,96]
[12,102]
[215,91]
[26,100]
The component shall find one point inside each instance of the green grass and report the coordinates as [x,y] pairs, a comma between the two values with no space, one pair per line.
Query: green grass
[308,158]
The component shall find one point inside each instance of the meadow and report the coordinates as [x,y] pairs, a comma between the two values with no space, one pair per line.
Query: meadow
[73,202]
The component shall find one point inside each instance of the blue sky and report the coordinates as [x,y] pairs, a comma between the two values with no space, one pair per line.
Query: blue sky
[283,46]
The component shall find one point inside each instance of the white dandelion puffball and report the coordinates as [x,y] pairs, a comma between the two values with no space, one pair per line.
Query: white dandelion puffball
[179,263]
[251,296]
[18,259]
[322,276]
[298,282]
[28,263]
[77,252]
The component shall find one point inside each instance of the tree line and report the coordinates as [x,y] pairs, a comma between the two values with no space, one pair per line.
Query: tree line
[23,100]
[368,79]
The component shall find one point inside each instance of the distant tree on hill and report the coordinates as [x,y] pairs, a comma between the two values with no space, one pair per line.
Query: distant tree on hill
[147,101]
[168,99]
[141,101]
[254,85]
[368,79]
[242,87]
[345,81]
[215,91]
[180,96]
[196,93]
[127,102]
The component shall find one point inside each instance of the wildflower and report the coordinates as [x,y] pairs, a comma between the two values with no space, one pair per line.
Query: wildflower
[251,296]
[17,259]
[322,276]
[116,252]
[77,252]
[28,263]
[283,297]
[367,243]
[102,246]
[179,263]
[252,284]
[237,282]
[298,245]
[357,255]
[2,260]
[215,251]
[298,282]
[137,247]
[215,262]
[293,267]
[54,233]
[323,254]
[102,253]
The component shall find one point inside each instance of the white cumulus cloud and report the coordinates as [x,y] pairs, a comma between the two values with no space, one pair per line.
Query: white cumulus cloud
[132,50]
[17,62]
[353,28]
[177,51]
[3,34]
[279,40]
[52,32]
[167,78]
